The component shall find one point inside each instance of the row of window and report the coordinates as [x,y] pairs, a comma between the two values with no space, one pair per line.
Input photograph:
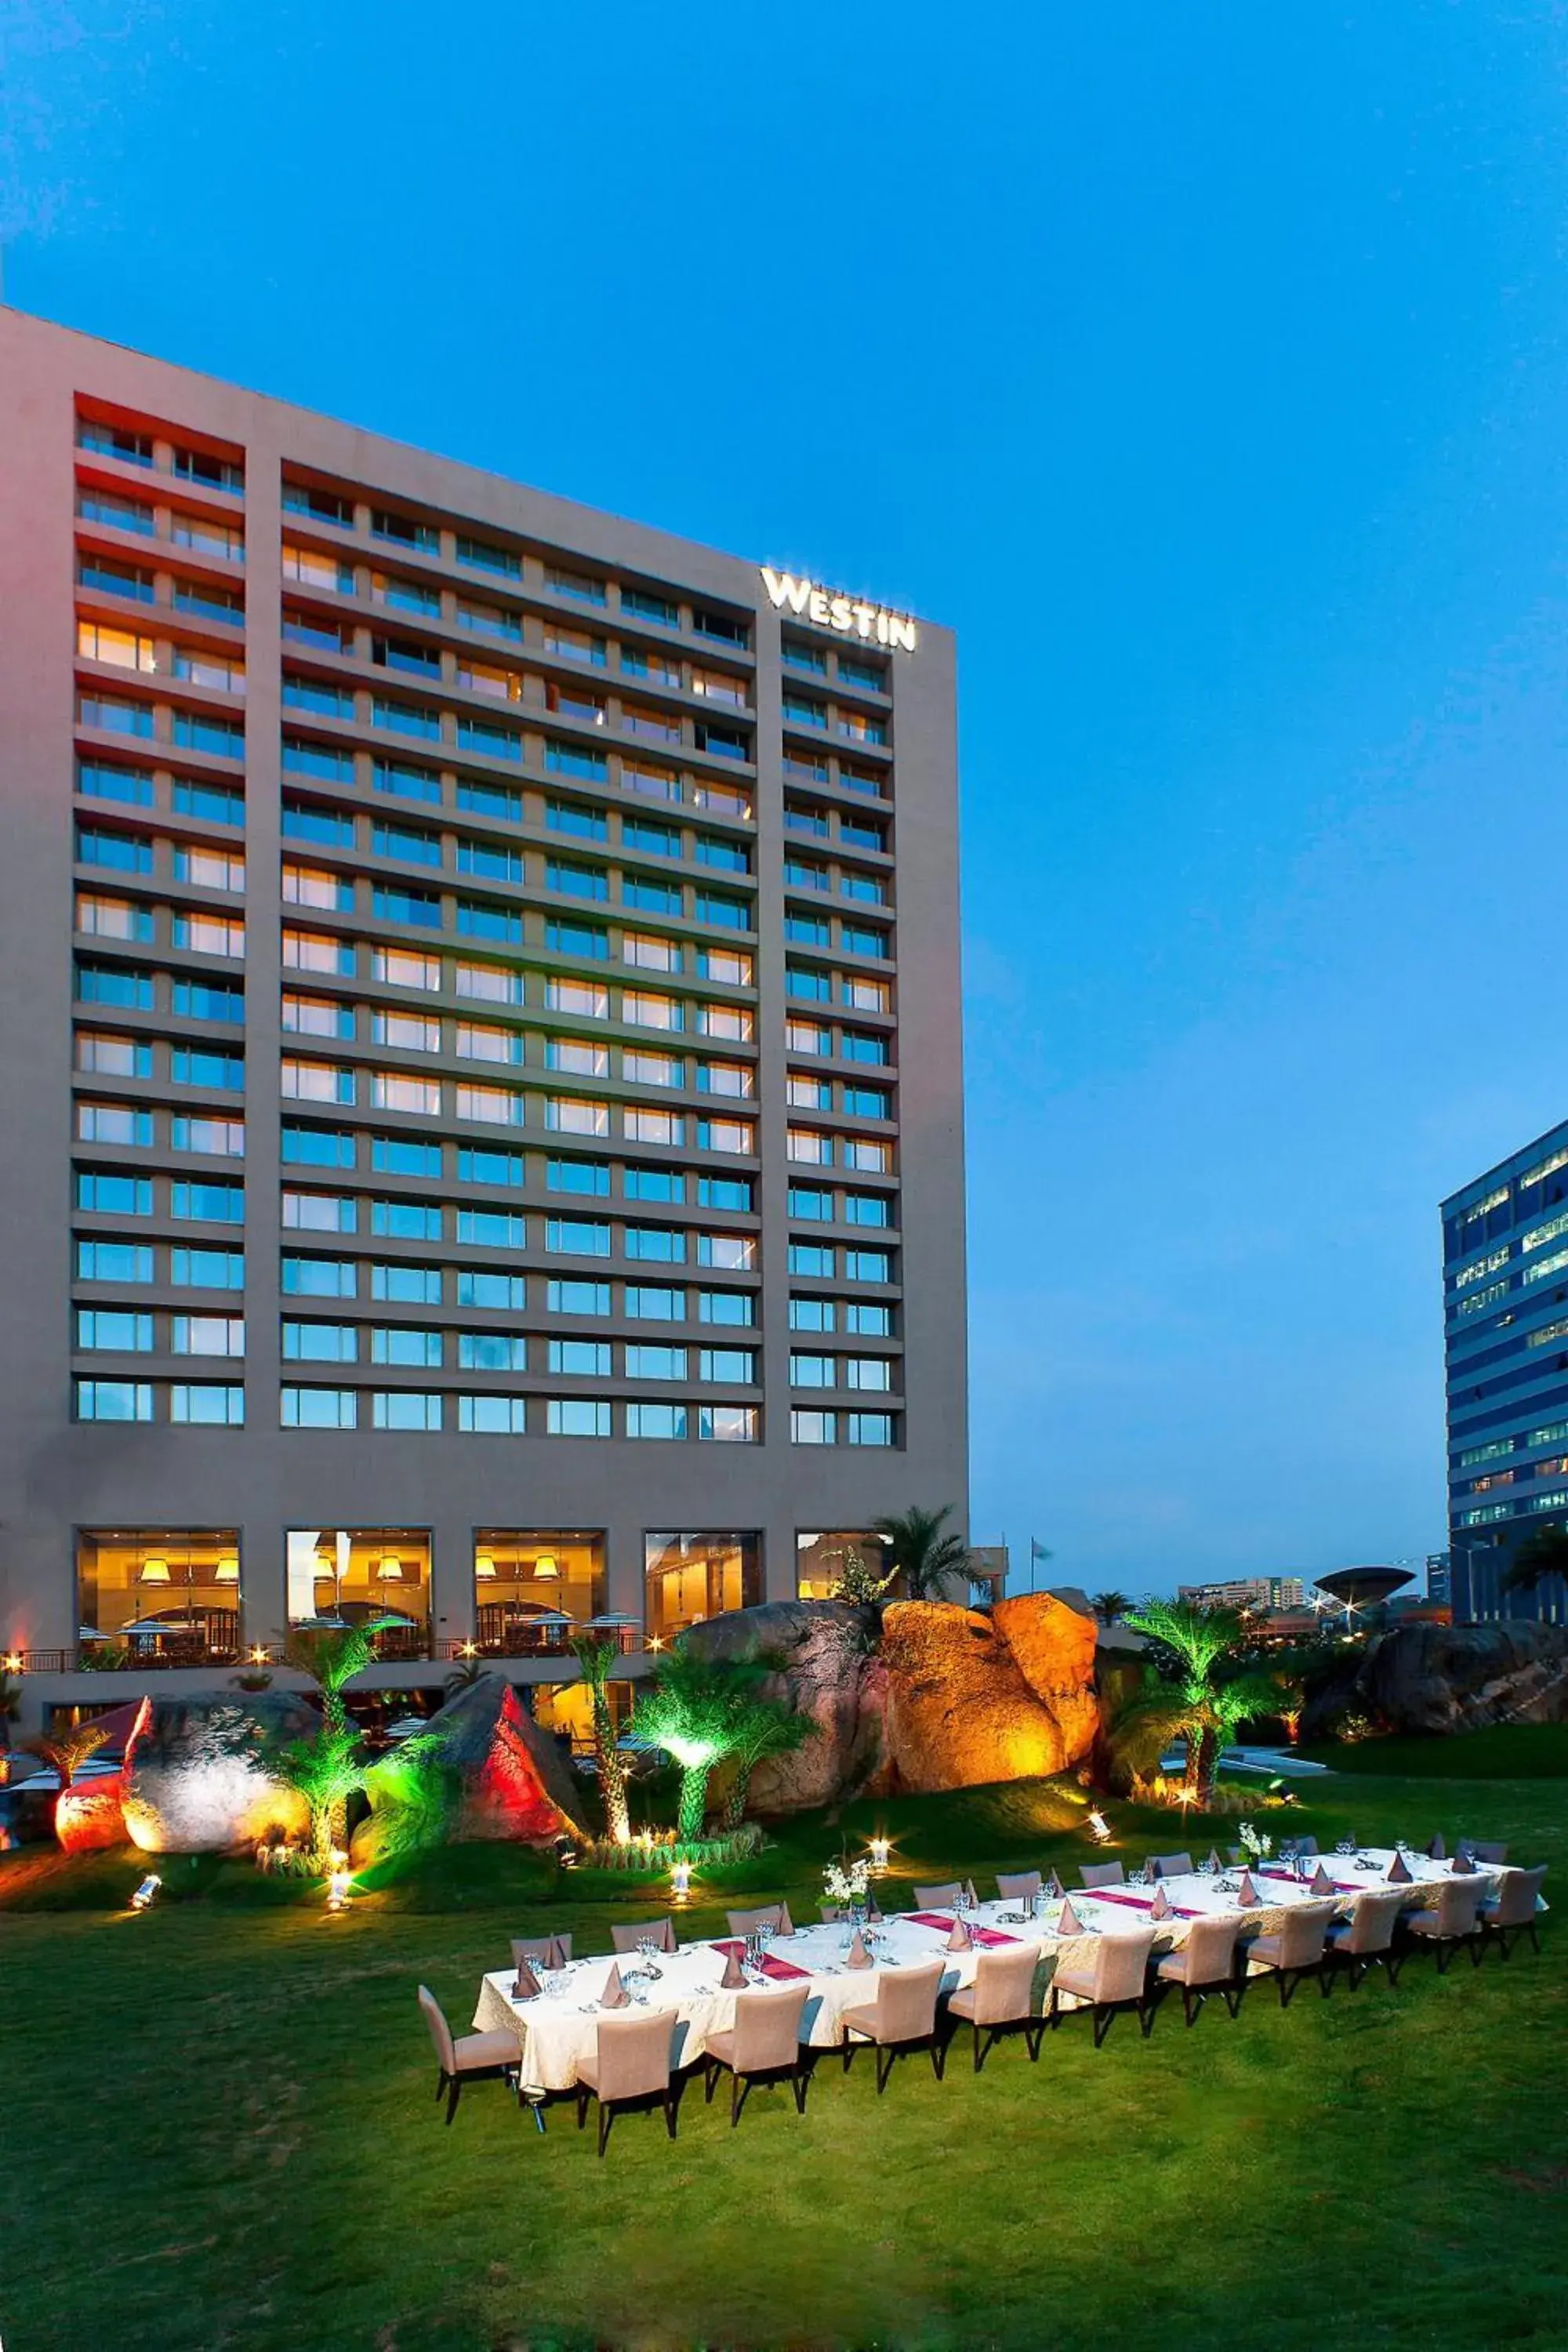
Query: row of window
[422,657]
[1550,1433]
[185,730]
[150,447]
[182,526]
[581,820]
[1525,1195]
[102,1259]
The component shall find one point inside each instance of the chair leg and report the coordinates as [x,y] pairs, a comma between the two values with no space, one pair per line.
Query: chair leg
[453,2095]
[737,2098]
[670,2109]
[1232,1995]
[1477,1948]
[1033,2037]
[849,2052]
[441,2084]
[1325,1980]
[1102,2023]
[884,2066]
[938,2057]
[1444,1952]
[979,2053]
[606,2117]
[710,2078]
[1287,1987]
[582,2109]
[1189,2008]
[798,2081]
[1146,2017]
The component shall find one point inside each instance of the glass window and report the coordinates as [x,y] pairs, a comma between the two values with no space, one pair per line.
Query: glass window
[363,1575]
[577,1417]
[691,1577]
[114,1400]
[493,1228]
[578,1297]
[180,1587]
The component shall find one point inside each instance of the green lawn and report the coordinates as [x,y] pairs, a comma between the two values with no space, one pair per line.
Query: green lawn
[220,2135]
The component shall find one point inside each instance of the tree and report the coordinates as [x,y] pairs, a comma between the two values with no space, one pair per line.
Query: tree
[919,1551]
[692,1707]
[331,1656]
[1186,1695]
[595,1654]
[328,1766]
[68,1749]
[763,1727]
[1110,1606]
[1541,1555]
[463,1676]
[857,1581]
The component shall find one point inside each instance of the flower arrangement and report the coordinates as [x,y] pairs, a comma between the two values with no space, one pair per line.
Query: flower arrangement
[1258,1845]
[847,1881]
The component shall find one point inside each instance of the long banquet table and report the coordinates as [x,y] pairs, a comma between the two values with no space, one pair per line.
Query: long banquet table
[559,2027]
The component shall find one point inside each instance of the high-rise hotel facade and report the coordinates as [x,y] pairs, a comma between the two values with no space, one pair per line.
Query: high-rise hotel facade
[481,1029]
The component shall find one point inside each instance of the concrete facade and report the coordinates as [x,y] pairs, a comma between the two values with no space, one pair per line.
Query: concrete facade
[122,578]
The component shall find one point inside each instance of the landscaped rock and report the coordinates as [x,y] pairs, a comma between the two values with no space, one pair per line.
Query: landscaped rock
[1055,1648]
[1441,1678]
[481,1768]
[828,1668]
[90,1814]
[196,1777]
[959,1711]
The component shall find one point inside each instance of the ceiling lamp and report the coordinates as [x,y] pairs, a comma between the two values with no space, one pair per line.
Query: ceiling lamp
[484,1566]
[390,1571]
[155,1571]
[544,1566]
[227,1569]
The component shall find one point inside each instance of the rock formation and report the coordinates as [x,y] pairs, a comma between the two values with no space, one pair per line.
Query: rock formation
[196,1777]
[1442,1678]
[920,1696]
[481,1768]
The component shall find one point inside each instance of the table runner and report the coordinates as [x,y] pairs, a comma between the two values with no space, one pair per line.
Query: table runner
[943,1922]
[785,1971]
[1142,1902]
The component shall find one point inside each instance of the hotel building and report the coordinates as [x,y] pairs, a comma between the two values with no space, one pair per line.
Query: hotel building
[1505,1298]
[481,1028]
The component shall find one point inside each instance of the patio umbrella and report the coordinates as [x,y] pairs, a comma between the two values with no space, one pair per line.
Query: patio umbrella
[549,1617]
[614,1618]
[162,1625]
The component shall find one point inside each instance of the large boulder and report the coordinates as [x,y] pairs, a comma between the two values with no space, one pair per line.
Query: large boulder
[1440,1679]
[828,1668]
[960,1711]
[1054,1646]
[481,1768]
[197,1778]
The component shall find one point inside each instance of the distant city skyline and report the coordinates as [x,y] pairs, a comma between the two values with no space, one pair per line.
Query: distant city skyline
[1204,377]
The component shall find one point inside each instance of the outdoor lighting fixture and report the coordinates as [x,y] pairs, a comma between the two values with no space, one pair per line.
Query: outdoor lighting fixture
[544,1566]
[339,1882]
[656,1641]
[484,1566]
[142,1898]
[469,1650]
[681,1882]
[258,1655]
[1099,1829]
[390,1570]
[227,1569]
[155,1571]
[879,1849]
[13,1661]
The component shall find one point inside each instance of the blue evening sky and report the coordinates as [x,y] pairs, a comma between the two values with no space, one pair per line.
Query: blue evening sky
[1205,368]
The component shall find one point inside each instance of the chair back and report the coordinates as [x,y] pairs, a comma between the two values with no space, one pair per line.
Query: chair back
[1303,1933]
[537,1948]
[767,2027]
[1018,1882]
[440,2031]
[755,1923]
[1516,1898]
[1458,1900]
[1004,1984]
[906,2001]
[660,1933]
[829,1914]
[1374,1916]
[1103,1873]
[634,2055]
[1210,1950]
[939,1898]
[1306,1846]
[1121,1962]
[1171,1865]
[1496,1854]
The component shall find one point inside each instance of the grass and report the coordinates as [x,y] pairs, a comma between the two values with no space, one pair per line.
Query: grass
[1504,1752]
[221,2135]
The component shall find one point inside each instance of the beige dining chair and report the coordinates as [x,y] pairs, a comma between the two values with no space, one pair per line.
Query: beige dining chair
[659,1932]
[628,2068]
[1001,2000]
[762,1922]
[1016,1885]
[1510,1912]
[902,2019]
[1101,1873]
[537,1948]
[763,2045]
[1171,1865]
[1206,1963]
[1453,1920]
[1366,1939]
[939,1898]
[1116,1978]
[464,2056]
[1298,1949]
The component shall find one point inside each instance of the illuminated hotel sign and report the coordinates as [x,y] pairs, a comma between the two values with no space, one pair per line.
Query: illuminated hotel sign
[850,618]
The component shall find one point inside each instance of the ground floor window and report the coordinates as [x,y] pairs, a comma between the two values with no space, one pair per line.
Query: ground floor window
[566,1710]
[689,1577]
[169,1596]
[364,1576]
[533,1587]
[824,1562]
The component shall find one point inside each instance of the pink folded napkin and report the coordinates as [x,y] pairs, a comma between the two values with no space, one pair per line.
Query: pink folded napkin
[857,1955]
[1070,1924]
[945,1922]
[525,1985]
[734,1975]
[1399,1871]
[556,1955]
[615,1995]
[786,1925]
[1149,1903]
[1321,1882]
[1215,1864]
[1056,1889]
[783,1972]
[1247,1894]
[959,1939]
[1161,1907]
[1437,1851]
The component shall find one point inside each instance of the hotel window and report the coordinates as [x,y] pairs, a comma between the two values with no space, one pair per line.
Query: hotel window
[477,1289]
[576,1417]
[568,701]
[392,1090]
[318,1409]
[366,1576]
[484,555]
[489,984]
[652,1303]
[647,662]
[660,1420]
[406,1286]
[666,1243]
[492,861]
[733,1022]
[115,514]
[807,1258]
[576,1237]
[208,538]
[570,1117]
[576,1057]
[223,738]
[870,889]
[478,1042]
[811,1150]
[652,1363]
[223,674]
[114,716]
[496,1105]
[857,1046]
[112,918]
[317,1016]
[813,1315]
[734,1253]
[644,1069]
[809,1093]
[654,1185]
[577,938]
[114,1401]
[640,1126]
[654,783]
[812,1371]
[129,991]
[320,1213]
[478,1166]
[96,641]
[652,726]
[219,1205]
[209,869]
[403,781]
[641,833]
[582,824]
[113,1261]
[206,1269]
[489,620]
[726,1135]
[491,1351]
[574,644]
[527,1580]
[493,1228]
[647,606]
[401,968]
[121,852]
[180,1587]
[869,1428]
[112,1058]
[873,1158]
[871,1320]
[822,1560]
[405,1409]
[733,1307]
[411,1349]
[224,1139]
[648,952]
[646,1012]
[576,880]
[307,821]
[102,780]
[725,1193]
[204,1404]
[867,1373]
[113,1195]
[207,1000]
[117,1331]
[733,1078]
[409,1033]
[318,951]
[222,935]
[318,1277]
[578,1297]
[411,844]
[856,941]
[689,1577]
[734,1367]
[804,874]
[114,441]
[320,1343]
[808,1428]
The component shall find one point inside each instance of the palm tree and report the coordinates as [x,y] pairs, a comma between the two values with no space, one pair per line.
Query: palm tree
[1110,1606]
[1541,1555]
[919,1551]
[327,1768]
[68,1749]
[332,1655]
[692,1707]
[1185,1696]
[463,1676]
[595,1654]
[764,1727]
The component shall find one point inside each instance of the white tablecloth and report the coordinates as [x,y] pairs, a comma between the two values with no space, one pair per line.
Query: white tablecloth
[559,2027]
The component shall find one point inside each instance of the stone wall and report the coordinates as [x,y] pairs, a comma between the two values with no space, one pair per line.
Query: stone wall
[1439,1678]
